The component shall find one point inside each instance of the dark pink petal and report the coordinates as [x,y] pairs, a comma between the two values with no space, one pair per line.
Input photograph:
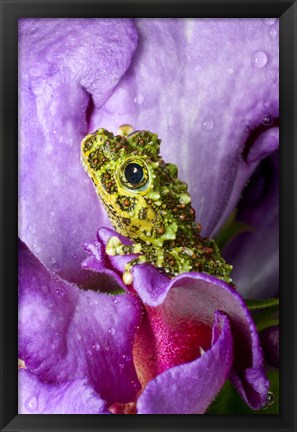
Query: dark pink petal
[66,66]
[209,88]
[71,397]
[191,387]
[67,333]
[207,294]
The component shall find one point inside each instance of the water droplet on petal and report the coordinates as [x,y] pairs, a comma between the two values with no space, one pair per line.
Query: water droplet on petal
[31,404]
[111,331]
[59,292]
[139,99]
[259,59]
[53,260]
[124,130]
[270,399]
[115,300]
[36,248]
[78,336]
[269,21]
[266,103]
[96,347]
[208,124]
[273,32]
[267,121]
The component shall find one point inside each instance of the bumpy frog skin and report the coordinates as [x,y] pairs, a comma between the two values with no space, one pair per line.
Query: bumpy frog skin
[146,202]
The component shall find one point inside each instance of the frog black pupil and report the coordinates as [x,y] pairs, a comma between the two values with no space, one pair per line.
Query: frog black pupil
[134,173]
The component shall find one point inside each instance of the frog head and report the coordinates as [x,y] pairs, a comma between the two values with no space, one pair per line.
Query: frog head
[138,189]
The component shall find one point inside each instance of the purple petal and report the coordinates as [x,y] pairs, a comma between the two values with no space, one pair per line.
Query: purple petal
[148,282]
[255,255]
[67,333]
[211,86]
[191,387]
[270,344]
[66,65]
[72,397]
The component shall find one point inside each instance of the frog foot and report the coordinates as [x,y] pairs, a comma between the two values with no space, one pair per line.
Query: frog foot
[127,275]
[116,247]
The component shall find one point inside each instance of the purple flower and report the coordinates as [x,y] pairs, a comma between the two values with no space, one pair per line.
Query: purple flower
[176,341]
[209,88]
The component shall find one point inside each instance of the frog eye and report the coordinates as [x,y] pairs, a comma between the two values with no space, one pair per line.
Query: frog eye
[134,175]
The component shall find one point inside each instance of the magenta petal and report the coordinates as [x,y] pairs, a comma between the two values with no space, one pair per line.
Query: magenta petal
[71,397]
[66,333]
[205,294]
[191,387]
[67,66]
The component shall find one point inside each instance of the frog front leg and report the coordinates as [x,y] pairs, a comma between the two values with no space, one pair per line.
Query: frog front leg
[171,260]
[147,254]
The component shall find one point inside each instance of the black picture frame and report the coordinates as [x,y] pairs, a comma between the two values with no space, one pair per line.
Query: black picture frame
[11,11]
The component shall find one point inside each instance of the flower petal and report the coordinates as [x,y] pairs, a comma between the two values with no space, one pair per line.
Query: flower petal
[72,397]
[191,387]
[270,343]
[66,333]
[255,255]
[207,87]
[62,62]
[198,296]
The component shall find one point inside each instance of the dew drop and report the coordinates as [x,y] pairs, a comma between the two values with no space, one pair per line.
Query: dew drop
[267,121]
[273,32]
[53,260]
[266,103]
[96,347]
[125,130]
[121,365]
[78,337]
[115,300]
[36,248]
[59,292]
[139,99]
[269,21]
[111,331]
[259,59]
[31,404]
[270,399]
[208,124]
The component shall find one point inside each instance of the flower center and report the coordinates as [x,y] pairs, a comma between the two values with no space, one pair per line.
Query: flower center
[162,343]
